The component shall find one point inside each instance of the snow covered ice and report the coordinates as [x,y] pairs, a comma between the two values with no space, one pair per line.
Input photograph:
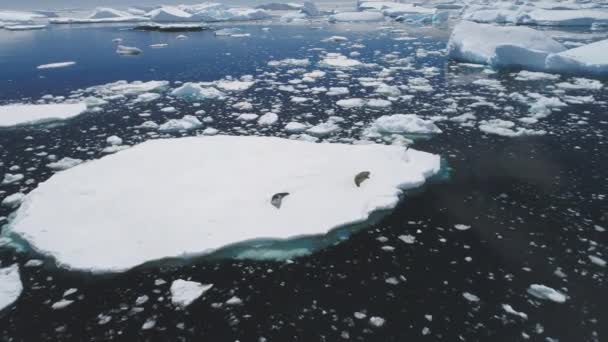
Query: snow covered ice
[30,114]
[198,203]
[184,292]
[10,285]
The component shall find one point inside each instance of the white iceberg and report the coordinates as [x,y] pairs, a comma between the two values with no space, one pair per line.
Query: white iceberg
[10,285]
[579,17]
[31,114]
[356,17]
[587,59]
[55,65]
[198,187]
[170,14]
[501,45]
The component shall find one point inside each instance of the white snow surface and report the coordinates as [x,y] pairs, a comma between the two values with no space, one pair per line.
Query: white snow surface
[501,45]
[10,285]
[30,114]
[114,213]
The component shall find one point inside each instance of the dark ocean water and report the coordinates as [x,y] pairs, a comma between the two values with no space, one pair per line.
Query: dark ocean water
[532,202]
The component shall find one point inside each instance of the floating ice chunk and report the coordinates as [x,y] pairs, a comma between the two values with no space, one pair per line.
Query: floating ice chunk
[378,103]
[148,324]
[587,59]
[295,127]
[336,91]
[13,201]
[336,60]
[581,83]
[55,65]
[509,309]
[470,297]
[125,88]
[335,39]
[187,123]
[506,128]
[594,259]
[351,103]
[68,207]
[184,292]
[310,9]
[174,27]
[148,125]
[31,114]
[409,239]
[280,6]
[10,285]
[247,117]
[290,62]
[525,75]
[580,17]
[147,97]
[114,140]
[268,119]
[376,321]
[228,32]
[10,178]
[546,293]
[494,15]
[234,85]
[356,16]
[462,227]
[193,90]
[243,105]
[401,124]
[127,50]
[210,131]
[24,27]
[64,164]
[501,45]
[62,304]
[169,14]
[387,90]
[234,301]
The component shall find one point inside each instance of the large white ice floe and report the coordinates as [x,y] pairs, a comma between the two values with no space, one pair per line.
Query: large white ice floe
[501,46]
[579,17]
[189,196]
[587,59]
[30,114]
[10,285]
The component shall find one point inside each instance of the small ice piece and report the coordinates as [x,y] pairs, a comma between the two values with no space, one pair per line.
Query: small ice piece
[506,128]
[31,114]
[509,309]
[559,17]
[409,239]
[247,117]
[127,50]
[69,292]
[148,324]
[234,301]
[159,46]
[335,91]
[597,260]
[242,106]
[323,129]
[376,321]
[210,131]
[62,304]
[378,103]
[10,285]
[187,123]
[387,90]
[470,297]
[184,292]
[114,140]
[546,293]
[462,227]
[290,62]
[351,103]
[10,178]
[141,300]
[33,263]
[64,164]
[234,85]
[55,65]
[268,119]
[295,127]
[13,201]
[335,39]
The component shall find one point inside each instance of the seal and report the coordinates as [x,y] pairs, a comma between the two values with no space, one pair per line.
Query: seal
[361,177]
[277,199]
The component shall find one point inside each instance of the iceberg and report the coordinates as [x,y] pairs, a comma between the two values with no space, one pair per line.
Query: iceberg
[31,114]
[356,17]
[10,285]
[55,65]
[101,15]
[501,46]
[170,14]
[587,59]
[194,184]
[579,17]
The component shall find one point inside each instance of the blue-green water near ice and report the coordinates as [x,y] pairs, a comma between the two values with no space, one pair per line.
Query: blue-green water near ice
[533,203]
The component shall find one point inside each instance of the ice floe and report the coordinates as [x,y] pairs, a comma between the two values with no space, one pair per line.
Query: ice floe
[198,203]
[55,65]
[401,124]
[184,292]
[31,114]
[10,285]
[356,16]
[546,293]
[587,59]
